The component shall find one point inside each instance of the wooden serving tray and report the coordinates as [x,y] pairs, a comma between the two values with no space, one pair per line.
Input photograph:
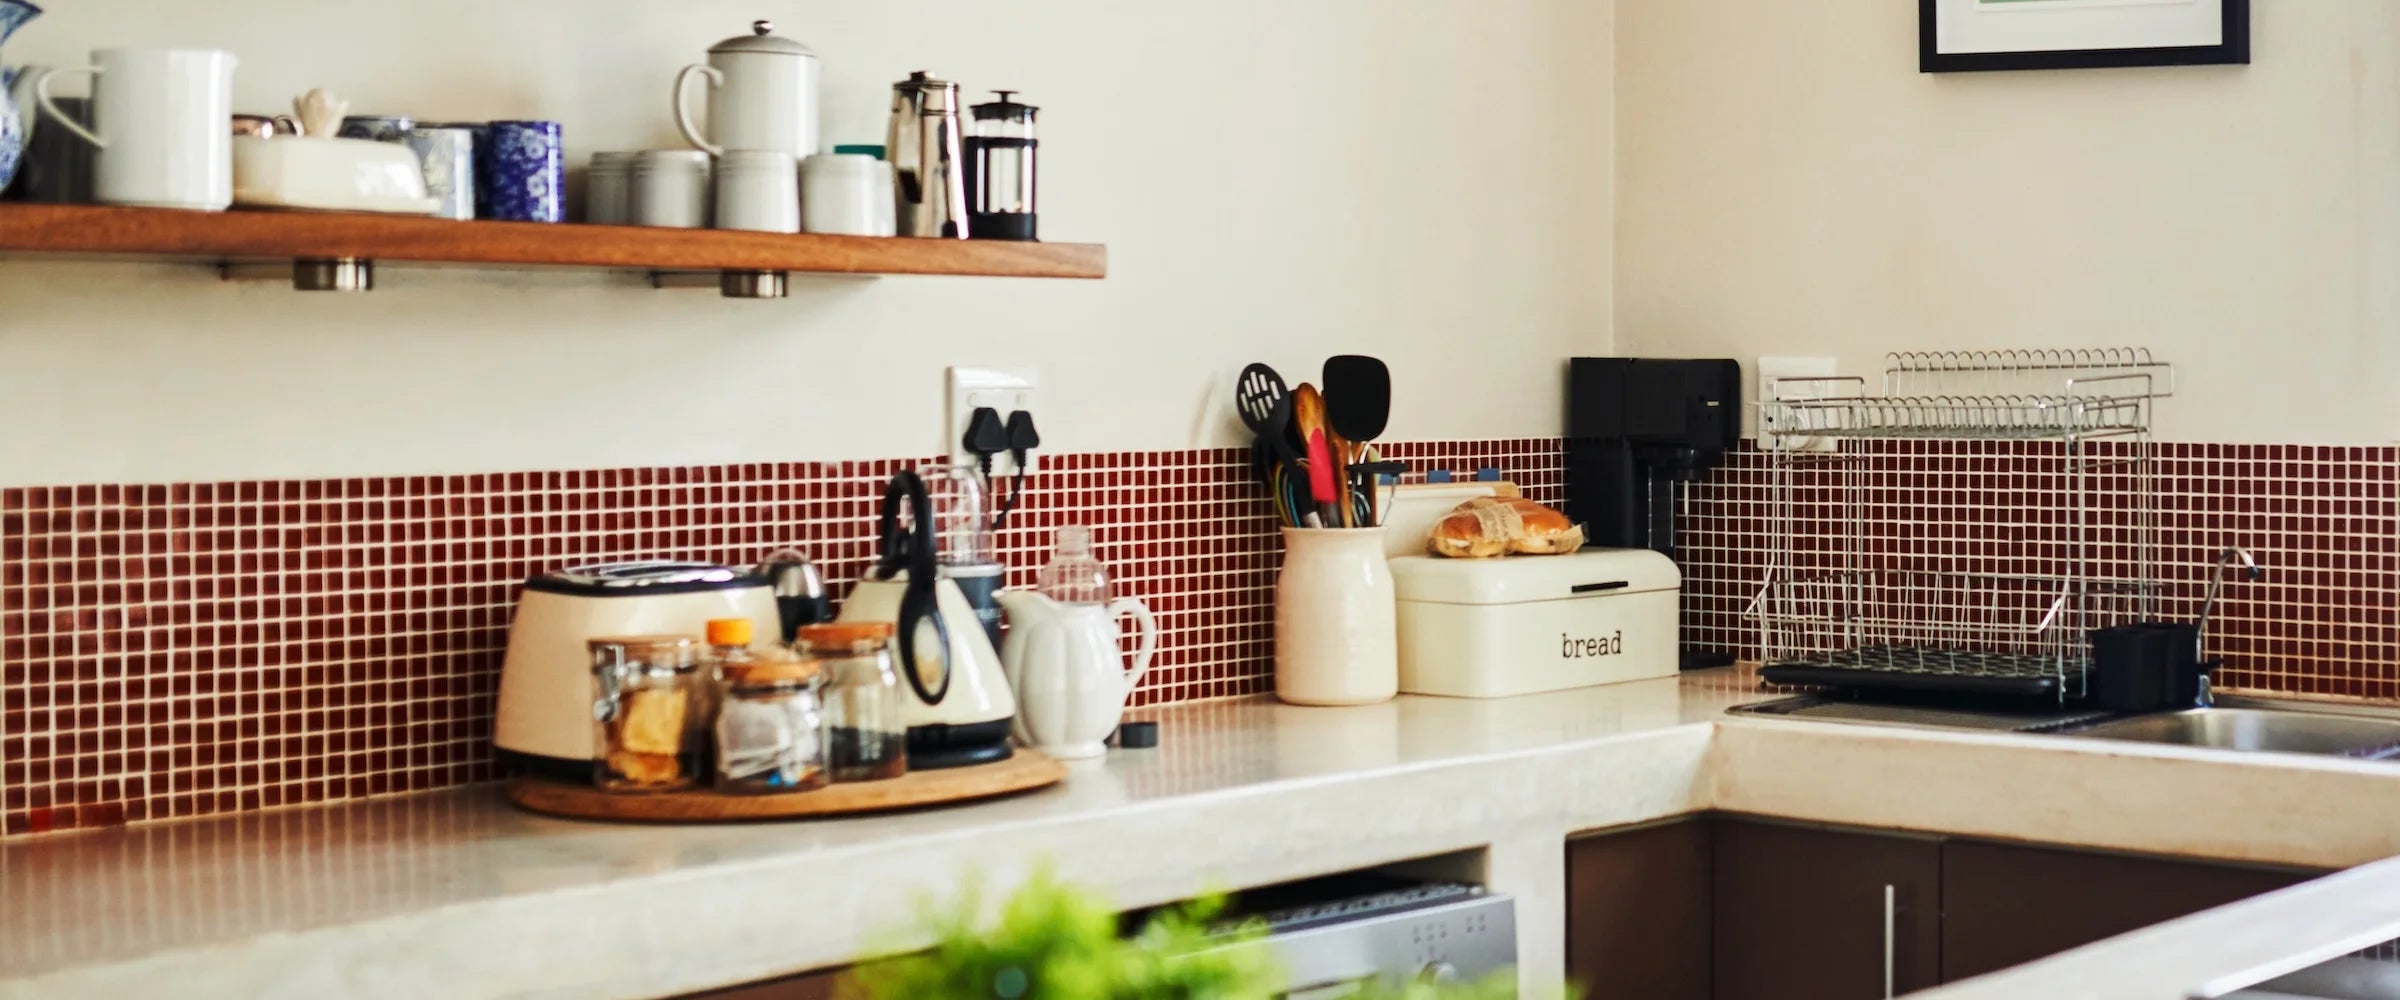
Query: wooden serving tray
[1023,771]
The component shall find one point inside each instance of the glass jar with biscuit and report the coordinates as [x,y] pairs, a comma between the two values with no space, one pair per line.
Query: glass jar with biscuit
[770,730]
[648,712]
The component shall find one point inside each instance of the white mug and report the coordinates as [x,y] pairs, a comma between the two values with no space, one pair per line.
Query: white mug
[758,189]
[165,114]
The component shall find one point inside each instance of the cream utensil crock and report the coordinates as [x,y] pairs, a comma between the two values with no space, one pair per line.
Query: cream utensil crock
[1336,637]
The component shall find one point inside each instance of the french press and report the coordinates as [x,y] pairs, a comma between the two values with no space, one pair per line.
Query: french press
[1000,170]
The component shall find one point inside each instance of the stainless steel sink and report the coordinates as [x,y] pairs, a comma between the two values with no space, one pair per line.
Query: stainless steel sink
[2278,729]
[2365,732]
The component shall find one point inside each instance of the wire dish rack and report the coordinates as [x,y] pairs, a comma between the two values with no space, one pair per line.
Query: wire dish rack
[1964,528]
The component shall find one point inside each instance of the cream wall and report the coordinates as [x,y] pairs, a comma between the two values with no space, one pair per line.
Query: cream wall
[1276,181]
[1789,184]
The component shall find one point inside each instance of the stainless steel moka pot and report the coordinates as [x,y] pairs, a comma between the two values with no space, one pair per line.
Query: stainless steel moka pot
[927,159]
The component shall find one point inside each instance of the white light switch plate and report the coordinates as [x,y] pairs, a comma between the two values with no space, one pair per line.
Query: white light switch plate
[1004,389]
[1772,369]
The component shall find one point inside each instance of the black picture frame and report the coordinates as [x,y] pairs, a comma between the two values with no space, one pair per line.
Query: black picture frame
[2234,50]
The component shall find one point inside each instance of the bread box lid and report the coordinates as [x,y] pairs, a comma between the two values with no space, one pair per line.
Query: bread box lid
[1526,579]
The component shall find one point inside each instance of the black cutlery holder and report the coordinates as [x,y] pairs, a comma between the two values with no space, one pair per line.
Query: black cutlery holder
[2145,666]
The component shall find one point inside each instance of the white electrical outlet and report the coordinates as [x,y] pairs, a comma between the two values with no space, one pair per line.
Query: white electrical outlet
[1006,391]
[1795,378]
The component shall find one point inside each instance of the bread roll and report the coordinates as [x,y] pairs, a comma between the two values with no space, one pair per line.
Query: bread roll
[1493,526]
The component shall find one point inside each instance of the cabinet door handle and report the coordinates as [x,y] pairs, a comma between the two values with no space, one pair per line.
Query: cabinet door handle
[1891,909]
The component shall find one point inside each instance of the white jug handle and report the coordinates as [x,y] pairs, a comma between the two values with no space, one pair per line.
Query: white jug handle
[1147,644]
[683,117]
[41,96]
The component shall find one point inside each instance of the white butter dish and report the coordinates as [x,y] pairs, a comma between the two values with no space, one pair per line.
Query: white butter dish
[333,175]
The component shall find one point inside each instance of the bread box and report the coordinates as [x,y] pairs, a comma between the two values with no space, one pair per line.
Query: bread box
[1491,628]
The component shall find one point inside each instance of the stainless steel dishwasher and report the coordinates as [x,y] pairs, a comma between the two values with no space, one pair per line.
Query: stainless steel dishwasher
[1334,933]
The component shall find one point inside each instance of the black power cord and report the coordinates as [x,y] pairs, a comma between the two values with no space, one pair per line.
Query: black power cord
[1022,439]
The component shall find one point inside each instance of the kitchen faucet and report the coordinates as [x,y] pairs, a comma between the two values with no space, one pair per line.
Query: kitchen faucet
[2216,586]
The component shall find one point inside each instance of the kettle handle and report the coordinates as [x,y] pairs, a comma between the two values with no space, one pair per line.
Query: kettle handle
[683,116]
[1147,643]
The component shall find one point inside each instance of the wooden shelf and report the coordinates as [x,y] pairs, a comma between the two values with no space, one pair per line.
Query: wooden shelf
[245,235]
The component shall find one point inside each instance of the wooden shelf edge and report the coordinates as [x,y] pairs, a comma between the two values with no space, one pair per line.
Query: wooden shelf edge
[100,229]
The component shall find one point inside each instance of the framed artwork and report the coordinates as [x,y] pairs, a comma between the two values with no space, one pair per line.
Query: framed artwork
[1955,36]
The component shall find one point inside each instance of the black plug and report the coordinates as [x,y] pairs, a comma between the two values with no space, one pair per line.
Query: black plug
[986,437]
[1022,437]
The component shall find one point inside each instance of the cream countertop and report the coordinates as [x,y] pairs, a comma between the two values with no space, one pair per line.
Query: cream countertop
[459,894]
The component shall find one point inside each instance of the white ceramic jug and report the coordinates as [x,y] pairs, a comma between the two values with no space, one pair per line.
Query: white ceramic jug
[1062,662]
[162,125]
[766,95]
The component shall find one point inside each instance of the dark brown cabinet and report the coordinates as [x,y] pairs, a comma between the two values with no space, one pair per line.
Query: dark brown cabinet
[1638,911]
[1735,907]
[2007,904]
[1809,913]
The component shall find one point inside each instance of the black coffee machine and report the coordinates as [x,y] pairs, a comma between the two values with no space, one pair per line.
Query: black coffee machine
[1635,428]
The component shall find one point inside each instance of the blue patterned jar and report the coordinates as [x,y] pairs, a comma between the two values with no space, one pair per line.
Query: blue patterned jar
[521,173]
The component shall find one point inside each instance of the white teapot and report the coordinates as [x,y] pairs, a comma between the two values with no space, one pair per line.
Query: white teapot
[1063,665]
[766,95]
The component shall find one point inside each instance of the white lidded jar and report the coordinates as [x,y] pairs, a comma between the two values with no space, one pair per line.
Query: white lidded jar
[1336,636]
[848,192]
[765,97]
[758,189]
[669,187]
[608,188]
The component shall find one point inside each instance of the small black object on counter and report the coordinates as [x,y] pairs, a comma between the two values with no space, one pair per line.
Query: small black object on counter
[1137,735]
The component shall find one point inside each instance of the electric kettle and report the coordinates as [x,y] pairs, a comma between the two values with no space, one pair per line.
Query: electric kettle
[958,708]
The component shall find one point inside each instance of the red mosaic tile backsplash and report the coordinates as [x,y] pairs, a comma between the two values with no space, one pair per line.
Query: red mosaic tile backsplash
[174,650]
[2322,520]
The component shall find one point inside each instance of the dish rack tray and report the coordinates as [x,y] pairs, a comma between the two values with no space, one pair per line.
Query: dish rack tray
[1963,529]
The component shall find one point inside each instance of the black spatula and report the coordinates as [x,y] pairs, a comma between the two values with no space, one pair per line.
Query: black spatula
[1358,397]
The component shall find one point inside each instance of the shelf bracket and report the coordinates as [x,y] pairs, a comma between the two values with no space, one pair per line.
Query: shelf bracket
[754,284]
[333,274]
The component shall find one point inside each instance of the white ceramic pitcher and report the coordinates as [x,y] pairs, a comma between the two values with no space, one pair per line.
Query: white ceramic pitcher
[766,95]
[1062,662]
[162,122]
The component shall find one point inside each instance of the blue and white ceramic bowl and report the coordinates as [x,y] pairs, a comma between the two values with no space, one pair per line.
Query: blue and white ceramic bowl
[521,173]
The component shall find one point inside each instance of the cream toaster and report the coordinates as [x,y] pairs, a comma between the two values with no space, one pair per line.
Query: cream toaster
[544,725]
[1490,628]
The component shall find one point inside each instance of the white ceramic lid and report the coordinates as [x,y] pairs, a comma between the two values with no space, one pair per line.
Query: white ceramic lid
[761,39]
[1525,579]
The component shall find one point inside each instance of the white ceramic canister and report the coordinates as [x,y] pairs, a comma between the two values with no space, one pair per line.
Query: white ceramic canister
[765,95]
[669,188]
[608,189]
[847,193]
[758,189]
[1336,637]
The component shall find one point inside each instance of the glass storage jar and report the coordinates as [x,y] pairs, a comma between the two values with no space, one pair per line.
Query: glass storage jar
[865,737]
[648,712]
[770,730]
